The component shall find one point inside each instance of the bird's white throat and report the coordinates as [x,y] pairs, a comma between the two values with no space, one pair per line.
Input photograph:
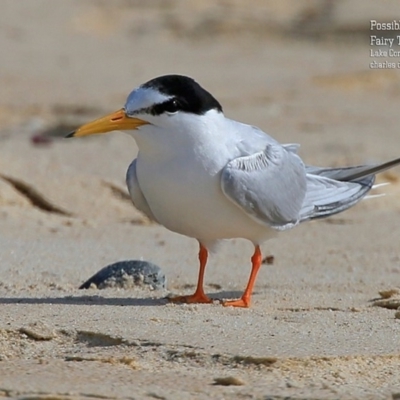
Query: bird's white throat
[169,136]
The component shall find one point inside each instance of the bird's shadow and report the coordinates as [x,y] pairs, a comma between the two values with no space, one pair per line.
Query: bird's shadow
[87,300]
[98,300]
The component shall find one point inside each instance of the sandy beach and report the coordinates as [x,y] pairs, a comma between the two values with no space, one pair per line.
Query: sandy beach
[324,322]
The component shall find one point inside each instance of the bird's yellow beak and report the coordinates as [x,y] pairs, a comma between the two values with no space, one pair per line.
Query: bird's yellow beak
[116,121]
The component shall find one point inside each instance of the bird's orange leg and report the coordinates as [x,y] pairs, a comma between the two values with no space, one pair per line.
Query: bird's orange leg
[198,296]
[245,300]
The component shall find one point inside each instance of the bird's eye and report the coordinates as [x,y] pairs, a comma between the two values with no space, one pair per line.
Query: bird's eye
[172,106]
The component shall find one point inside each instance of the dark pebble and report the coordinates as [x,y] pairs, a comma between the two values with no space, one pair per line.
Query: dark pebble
[128,274]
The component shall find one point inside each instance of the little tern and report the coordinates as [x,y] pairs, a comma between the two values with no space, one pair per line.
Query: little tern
[203,175]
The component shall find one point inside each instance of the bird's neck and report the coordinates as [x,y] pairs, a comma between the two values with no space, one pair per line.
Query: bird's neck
[189,135]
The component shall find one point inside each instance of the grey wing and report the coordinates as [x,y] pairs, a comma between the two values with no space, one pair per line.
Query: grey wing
[138,199]
[269,186]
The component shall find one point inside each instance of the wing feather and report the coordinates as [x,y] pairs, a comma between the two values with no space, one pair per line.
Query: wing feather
[269,185]
[326,196]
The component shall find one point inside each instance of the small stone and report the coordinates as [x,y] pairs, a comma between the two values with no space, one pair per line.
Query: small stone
[228,381]
[387,294]
[392,303]
[397,314]
[128,274]
[38,331]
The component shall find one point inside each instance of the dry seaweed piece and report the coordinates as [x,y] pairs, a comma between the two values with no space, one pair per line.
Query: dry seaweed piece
[36,198]
[269,260]
[247,360]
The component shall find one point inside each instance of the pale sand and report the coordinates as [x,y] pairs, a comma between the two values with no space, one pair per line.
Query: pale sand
[312,331]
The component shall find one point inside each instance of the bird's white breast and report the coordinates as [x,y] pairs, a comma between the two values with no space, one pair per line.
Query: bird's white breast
[182,187]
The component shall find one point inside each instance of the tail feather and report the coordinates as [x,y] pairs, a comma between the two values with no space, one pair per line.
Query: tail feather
[347,174]
[333,190]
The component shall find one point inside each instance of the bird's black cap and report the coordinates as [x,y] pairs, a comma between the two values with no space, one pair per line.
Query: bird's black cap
[186,95]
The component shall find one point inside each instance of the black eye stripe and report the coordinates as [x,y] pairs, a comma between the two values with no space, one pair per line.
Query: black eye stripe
[169,106]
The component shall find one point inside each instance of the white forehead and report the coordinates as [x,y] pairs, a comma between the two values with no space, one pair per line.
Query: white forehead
[143,98]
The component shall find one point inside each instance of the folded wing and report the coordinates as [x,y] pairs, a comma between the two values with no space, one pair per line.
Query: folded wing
[269,185]
[276,189]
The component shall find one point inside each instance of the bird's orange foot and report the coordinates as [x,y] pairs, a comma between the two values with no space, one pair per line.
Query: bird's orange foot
[194,298]
[242,302]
